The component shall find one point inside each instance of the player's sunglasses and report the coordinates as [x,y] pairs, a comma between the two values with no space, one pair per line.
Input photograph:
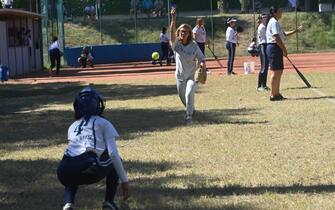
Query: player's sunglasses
[184,32]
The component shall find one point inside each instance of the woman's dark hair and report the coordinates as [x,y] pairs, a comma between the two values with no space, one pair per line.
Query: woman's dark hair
[254,39]
[55,38]
[163,30]
[273,10]
[262,16]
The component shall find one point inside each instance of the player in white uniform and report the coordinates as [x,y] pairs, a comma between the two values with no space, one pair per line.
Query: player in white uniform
[91,154]
[231,42]
[261,35]
[165,46]
[275,50]
[55,55]
[187,53]
[199,34]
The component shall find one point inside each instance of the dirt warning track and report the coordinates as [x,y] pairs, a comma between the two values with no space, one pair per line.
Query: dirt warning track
[310,62]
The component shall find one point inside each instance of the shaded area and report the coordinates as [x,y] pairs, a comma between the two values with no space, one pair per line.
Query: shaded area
[24,97]
[47,128]
[31,184]
[130,122]
[25,119]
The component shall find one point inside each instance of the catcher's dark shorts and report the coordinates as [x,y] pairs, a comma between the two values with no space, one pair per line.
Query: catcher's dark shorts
[275,57]
[83,169]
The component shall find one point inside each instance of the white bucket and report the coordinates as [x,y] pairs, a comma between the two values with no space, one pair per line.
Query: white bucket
[249,67]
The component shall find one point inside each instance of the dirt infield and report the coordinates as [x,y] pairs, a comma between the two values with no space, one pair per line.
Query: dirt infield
[311,62]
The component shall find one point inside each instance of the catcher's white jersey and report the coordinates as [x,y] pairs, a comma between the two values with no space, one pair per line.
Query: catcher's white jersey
[97,134]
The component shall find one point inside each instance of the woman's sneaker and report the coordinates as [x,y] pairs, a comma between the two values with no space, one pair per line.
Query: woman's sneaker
[68,206]
[277,98]
[189,120]
[109,206]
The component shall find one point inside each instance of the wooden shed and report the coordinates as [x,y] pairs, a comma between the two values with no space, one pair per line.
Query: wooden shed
[20,41]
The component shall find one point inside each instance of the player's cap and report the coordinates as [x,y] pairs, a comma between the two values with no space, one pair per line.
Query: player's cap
[231,19]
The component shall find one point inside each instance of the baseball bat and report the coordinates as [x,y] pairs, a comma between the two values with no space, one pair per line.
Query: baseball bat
[300,74]
[215,57]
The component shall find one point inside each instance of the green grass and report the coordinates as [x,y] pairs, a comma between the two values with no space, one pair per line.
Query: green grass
[242,152]
[317,36]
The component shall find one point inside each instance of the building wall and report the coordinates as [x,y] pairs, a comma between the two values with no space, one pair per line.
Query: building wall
[20,45]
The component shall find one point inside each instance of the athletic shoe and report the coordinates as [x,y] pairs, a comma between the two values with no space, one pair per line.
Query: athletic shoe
[281,97]
[233,73]
[277,98]
[68,206]
[189,120]
[109,206]
[260,89]
[267,88]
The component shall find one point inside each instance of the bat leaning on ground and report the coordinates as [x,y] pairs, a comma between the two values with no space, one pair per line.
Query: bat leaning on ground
[300,74]
[215,57]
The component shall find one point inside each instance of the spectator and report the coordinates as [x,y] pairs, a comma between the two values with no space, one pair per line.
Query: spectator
[89,12]
[147,7]
[158,8]
[252,49]
[86,57]
[7,4]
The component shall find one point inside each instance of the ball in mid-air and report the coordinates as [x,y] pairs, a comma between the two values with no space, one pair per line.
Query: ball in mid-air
[155,56]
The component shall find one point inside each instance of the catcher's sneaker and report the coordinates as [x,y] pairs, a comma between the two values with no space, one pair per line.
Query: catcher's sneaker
[189,120]
[109,206]
[68,206]
[260,88]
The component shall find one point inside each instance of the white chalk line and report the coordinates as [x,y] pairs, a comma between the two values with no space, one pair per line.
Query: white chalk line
[320,93]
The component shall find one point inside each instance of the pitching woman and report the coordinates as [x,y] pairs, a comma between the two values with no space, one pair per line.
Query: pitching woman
[91,154]
[187,53]
[275,50]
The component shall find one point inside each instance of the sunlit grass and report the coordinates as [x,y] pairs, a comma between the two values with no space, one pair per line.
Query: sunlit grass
[242,152]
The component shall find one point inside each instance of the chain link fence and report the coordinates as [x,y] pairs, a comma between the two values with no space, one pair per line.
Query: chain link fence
[101,22]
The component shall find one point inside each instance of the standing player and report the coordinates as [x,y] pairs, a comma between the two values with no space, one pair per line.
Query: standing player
[199,34]
[231,42]
[261,35]
[165,46]
[275,50]
[55,55]
[187,54]
[91,154]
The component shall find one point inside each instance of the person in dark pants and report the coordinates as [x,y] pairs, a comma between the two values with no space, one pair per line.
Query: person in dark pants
[231,42]
[91,154]
[261,35]
[199,34]
[276,50]
[55,55]
[165,47]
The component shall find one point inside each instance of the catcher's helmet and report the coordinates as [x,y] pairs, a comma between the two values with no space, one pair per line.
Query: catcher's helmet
[87,103]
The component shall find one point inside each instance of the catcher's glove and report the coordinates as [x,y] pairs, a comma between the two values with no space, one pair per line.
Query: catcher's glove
[201,75]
